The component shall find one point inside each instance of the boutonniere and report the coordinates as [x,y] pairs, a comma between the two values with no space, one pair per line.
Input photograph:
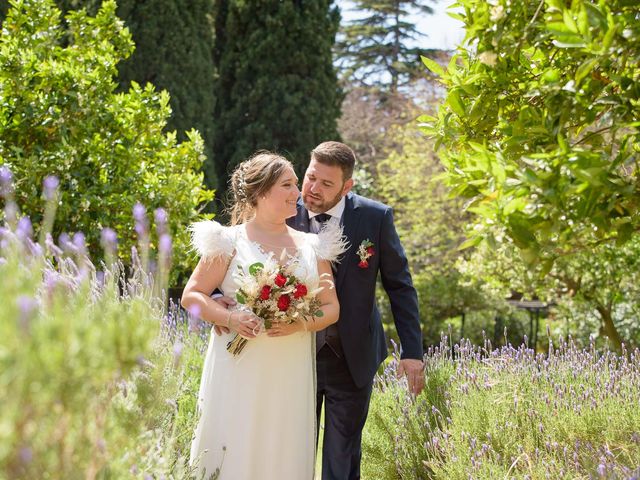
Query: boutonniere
[365,252]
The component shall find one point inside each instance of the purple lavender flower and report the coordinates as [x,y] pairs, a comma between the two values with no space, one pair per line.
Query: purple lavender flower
[108,239]
[24,229]
[6,179]
[100,278]
[51,246]
[165,245]
[79,242]
[194,318]
[35,249]
[160,216]
[27,307]
[51,281]
[177,351]
[5,175]
[50,185]
[64,240]
[26,455]
[139,212]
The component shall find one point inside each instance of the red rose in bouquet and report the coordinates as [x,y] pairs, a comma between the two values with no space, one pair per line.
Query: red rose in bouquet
[280,280]
[300,291]
[265,292]
[365,252]
[283,303]
[275,294]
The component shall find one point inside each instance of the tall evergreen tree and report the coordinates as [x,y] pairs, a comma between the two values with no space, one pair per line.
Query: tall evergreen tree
[277,87]
[174,51]
[375,50]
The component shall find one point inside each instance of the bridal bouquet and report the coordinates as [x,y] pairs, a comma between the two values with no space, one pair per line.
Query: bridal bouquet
[275,294]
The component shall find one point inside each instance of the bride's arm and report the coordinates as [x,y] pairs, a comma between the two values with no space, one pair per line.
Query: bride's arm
[207,276]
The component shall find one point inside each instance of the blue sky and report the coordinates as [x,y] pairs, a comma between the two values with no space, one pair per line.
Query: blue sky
[443,31]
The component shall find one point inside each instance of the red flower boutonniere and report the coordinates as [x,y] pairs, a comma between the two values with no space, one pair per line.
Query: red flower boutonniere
[365,252]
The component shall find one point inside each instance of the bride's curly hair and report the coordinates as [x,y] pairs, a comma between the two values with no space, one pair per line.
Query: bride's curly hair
[252,179]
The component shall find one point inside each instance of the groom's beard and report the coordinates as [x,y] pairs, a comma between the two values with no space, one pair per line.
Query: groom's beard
[323,205]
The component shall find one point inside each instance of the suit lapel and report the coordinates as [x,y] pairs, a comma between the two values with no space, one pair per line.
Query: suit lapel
[350,222]
[301,220]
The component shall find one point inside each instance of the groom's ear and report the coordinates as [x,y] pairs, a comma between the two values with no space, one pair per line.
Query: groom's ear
[348,185]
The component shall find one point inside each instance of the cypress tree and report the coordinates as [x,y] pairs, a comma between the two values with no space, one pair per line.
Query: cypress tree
[174,51]
[375,50]
[277,87]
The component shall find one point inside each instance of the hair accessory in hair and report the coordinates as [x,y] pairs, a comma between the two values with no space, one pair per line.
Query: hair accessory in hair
[241,185]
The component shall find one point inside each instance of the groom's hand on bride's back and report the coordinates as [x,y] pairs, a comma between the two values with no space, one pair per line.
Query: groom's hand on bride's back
[226,302]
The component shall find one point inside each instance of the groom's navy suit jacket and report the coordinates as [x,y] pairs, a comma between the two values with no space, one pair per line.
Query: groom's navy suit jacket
[359,325]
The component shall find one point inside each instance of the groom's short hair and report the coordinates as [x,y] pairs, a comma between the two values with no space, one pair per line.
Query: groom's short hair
[336,154]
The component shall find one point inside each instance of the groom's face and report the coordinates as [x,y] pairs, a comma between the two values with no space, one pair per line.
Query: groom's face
[323,186]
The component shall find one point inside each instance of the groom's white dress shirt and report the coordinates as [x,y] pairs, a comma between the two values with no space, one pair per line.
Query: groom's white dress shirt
[329,335]
[335,212]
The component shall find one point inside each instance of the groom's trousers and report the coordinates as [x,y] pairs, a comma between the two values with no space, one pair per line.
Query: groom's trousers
[345,413]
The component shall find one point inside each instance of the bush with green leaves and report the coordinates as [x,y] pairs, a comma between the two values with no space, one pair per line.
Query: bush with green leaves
[431,225]
[61,115]
[539,129]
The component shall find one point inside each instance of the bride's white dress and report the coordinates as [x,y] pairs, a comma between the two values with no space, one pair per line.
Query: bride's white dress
[257,409]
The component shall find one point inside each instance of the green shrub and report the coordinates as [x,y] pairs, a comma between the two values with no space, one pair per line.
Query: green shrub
[508,413]
[92,378]
[61,115]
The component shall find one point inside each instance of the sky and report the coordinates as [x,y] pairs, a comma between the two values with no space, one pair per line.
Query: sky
[443,31]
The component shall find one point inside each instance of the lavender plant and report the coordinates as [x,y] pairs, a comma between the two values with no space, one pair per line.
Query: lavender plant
[509,413]
[93,366]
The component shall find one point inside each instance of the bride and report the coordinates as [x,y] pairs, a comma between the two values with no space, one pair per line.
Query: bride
[257,409]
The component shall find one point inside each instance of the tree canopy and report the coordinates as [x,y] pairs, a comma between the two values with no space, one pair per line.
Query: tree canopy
[277,87]
[379,48]
[539,129]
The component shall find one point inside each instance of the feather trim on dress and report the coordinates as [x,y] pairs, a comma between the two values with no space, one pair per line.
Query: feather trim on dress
[210,239]
[330,243]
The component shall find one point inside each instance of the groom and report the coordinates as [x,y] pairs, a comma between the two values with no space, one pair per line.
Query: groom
[350,351]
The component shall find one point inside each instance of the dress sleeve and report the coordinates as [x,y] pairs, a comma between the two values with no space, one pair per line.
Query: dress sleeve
[210,239]
[329,243]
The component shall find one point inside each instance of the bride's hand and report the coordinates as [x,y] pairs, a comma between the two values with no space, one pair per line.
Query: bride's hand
[281,329]
[245,324]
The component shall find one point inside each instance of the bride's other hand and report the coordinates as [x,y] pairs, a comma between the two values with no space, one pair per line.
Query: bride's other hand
[282,329]
[226,302]
[245,324]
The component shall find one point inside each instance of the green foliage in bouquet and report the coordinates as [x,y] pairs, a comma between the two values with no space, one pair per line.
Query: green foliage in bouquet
[60,115]
[539,128]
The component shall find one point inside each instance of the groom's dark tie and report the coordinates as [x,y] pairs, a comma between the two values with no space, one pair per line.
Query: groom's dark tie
[329,336]
[322,218]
